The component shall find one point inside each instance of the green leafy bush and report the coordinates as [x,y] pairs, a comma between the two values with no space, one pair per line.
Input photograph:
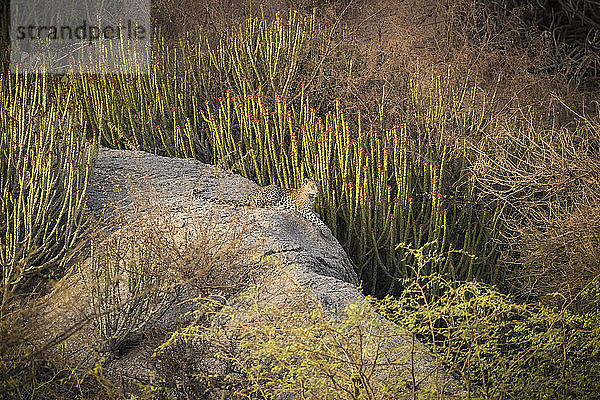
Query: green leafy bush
[499,348]
[300,350]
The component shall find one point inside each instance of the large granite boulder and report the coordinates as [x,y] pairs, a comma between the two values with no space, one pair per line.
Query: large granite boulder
[241,256]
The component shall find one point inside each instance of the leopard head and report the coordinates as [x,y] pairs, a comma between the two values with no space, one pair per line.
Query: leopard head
[311,188]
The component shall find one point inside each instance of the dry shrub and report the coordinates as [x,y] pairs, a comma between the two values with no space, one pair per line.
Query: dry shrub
[571,30]
[561,258]
[202,264]
[148,265]
[539,172]
[548,179]
[188,18]
[541,49]
[31,363]
[390,39]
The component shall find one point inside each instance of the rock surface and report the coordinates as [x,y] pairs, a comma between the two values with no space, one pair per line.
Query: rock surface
[289,253]
[130,181]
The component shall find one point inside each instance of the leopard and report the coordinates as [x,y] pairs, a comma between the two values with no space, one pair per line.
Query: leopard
[300,200]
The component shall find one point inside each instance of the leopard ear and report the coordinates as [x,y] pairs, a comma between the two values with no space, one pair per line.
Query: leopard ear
[306,180]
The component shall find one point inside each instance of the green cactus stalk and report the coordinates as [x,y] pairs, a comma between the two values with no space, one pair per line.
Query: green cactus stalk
[380,188]
[45,166]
